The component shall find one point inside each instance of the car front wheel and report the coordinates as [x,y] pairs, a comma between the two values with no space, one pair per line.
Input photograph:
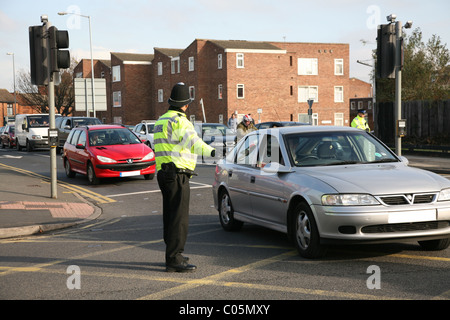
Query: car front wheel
[91,175]
[435,245]
[226,213]
[305,233]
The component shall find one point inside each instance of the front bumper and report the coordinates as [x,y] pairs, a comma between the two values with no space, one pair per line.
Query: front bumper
[125,169]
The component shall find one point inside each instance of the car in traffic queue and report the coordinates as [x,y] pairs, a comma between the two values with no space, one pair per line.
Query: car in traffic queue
[145,131]
[325,185]
[107,151]
[277,124]
[217,135]
[65,124]
[7,138]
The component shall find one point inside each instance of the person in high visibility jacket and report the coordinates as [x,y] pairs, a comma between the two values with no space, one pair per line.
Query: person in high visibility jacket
[360,121]
[176,148]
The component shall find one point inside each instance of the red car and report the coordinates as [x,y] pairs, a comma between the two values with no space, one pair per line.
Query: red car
[107,151]
[7,137]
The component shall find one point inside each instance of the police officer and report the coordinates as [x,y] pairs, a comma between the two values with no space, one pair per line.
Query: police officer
[176,147]
[360,121]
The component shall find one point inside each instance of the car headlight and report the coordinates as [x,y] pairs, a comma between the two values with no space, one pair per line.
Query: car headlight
[444,195]
[149,156]
[106,159]
[348,200]
[36,137]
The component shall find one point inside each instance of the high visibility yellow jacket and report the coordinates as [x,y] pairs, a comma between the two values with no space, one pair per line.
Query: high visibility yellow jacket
[360,123]
[177,141]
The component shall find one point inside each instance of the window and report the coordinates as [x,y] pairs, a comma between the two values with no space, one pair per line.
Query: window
[192,92]
[339,94]
[82,138]
[239,60]
[339,119]
[220,91]
[307,66]
[308,92]
[269,151]
[160,68]
[160,95]
[352,105]
[219,61]
[116,73]
[339,67]
[191,63]
[247,154]
[240,91]
[304,117]
[175,65]
[117,99]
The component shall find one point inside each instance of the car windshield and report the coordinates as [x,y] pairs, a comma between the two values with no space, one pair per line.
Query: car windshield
[211,130]
[112,136]
[38,121]
[334,148]
[85,122]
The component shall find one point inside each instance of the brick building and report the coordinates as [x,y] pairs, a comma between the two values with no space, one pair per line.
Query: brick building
[270,80]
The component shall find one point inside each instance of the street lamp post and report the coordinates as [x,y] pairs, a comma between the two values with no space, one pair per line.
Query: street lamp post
[14,79]
[92,59]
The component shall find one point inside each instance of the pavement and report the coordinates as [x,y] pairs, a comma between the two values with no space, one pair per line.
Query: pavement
[27,208]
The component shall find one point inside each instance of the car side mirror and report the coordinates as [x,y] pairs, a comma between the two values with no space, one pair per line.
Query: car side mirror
[275,167]
[404,160]
[80,146]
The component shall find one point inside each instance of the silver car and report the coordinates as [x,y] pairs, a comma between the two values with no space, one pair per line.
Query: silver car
[323,185]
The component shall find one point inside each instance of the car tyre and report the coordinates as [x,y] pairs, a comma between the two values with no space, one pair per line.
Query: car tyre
[91,175]
[18,147]
[68,169]
[149,176]
[29,148]
[226,213]
[305,233]
[435,245]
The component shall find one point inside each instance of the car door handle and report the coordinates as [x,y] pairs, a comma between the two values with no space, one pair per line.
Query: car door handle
[252,179]
[230,173]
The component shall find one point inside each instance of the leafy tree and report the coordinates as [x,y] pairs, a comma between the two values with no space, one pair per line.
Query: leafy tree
[425,73]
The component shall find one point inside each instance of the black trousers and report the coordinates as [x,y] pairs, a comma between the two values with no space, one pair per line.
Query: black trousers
[176,194]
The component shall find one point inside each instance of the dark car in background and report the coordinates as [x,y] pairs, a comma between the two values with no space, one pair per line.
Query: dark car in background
[217,135]
[277,124]
[66,124]
[7,138]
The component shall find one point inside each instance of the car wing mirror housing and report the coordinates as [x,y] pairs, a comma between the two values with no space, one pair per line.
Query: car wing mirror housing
[275,167]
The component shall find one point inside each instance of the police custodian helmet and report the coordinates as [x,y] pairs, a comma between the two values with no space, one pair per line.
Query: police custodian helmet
[179,97]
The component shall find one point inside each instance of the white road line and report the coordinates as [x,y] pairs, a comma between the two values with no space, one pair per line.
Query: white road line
[201,186]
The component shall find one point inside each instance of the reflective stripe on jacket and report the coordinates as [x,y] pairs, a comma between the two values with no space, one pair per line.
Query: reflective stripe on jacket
[177,141]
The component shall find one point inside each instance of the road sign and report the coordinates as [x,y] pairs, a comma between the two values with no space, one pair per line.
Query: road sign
[83,94]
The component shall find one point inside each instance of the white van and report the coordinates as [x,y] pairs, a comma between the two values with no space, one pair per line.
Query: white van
[32,131]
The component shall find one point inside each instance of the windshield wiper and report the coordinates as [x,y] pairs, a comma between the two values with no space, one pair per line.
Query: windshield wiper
[341,162]
[383,160]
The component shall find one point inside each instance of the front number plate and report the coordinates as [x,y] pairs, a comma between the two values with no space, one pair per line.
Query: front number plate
[412,216]
[130,173]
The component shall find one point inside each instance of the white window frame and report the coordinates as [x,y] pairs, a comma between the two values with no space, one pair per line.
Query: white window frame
[116,73]
[310,92]
[192,92]
[175,65]
[308,66]
[240,86]
[160,68]
[304,117]
[240,60]
[339,119]
[339,67]
[191,63]
[117,97]
[160,95]
[220,92]
[338,93]
[219,61]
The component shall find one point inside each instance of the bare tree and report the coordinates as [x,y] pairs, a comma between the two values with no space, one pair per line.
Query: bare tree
[37,96]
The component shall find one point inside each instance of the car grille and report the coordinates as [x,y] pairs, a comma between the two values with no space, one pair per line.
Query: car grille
[405,227]
[400,199]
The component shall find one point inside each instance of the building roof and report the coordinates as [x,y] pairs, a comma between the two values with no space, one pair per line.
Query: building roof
[244,45]
[169,52]
[138,57]
[5,96]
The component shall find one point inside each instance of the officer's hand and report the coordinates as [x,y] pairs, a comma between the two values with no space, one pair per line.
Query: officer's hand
[213,153]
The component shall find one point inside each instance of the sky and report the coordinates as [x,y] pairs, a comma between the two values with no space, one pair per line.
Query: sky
[139,26]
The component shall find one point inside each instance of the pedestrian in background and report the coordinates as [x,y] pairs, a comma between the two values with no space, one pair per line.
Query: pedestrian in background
[232,122]
[176,148]
[360,121]
[246,126]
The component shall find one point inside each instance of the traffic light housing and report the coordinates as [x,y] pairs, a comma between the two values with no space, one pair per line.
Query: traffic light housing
[58,39]
[38,55]
[386,39]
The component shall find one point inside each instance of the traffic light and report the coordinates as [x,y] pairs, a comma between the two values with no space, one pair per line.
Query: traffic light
[38,55]
[386,39]
[59,59]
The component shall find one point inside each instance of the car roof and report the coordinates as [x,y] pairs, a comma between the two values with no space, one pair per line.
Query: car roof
[103,126]
[300,129]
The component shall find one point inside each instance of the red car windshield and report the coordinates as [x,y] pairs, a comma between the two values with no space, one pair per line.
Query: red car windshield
[113,136]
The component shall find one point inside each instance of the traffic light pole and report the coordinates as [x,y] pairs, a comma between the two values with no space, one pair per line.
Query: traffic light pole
[398,84]
[51,108]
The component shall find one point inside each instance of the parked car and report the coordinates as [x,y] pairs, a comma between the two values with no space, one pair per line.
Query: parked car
[324,184]
[217,135]
[66,124]
[7,136]
[275,124]
[107,151]
[145,131]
